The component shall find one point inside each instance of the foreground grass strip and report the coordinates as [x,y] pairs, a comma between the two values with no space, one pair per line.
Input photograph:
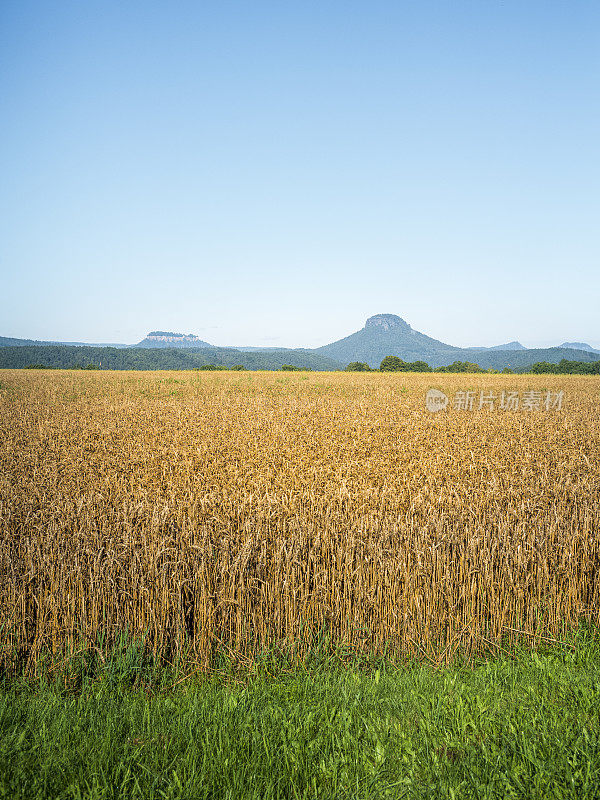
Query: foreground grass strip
[523,728]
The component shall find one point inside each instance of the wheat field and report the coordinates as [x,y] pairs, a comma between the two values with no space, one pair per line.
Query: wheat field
[241,511]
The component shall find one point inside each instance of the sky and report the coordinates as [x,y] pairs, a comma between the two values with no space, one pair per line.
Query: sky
[274,173]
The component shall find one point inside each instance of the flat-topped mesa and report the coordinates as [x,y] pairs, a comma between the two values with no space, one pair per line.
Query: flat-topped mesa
[158,339]
[387,322]
[169,336]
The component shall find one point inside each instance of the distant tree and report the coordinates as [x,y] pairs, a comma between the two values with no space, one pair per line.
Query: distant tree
[292,368]
[358,366]
[395,364]
[566,367]
[392,364]
[419,366]
[461,366]
[238,367]
[541,367]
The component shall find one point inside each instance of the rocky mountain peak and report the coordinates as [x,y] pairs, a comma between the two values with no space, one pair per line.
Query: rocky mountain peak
[169,336]
[171,339]
[387,322]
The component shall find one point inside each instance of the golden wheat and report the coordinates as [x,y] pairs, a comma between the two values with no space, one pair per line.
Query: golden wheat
[241,510]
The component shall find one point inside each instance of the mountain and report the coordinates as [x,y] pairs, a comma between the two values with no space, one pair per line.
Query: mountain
[384,335]
[389,335]
[159,339]
[579,346]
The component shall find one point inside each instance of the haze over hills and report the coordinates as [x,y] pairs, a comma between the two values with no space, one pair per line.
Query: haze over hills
[382,335]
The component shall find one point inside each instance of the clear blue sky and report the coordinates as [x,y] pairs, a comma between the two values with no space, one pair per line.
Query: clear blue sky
[274,173]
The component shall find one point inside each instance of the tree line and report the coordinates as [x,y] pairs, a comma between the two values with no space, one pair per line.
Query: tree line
[396,364]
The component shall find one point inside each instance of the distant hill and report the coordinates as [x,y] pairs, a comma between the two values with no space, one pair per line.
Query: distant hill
[159,339]
[579,346]
[509,346]
[389,335]
[64,356]
[6,341]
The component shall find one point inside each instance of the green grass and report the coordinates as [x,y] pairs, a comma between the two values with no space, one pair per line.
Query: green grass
[524,727]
